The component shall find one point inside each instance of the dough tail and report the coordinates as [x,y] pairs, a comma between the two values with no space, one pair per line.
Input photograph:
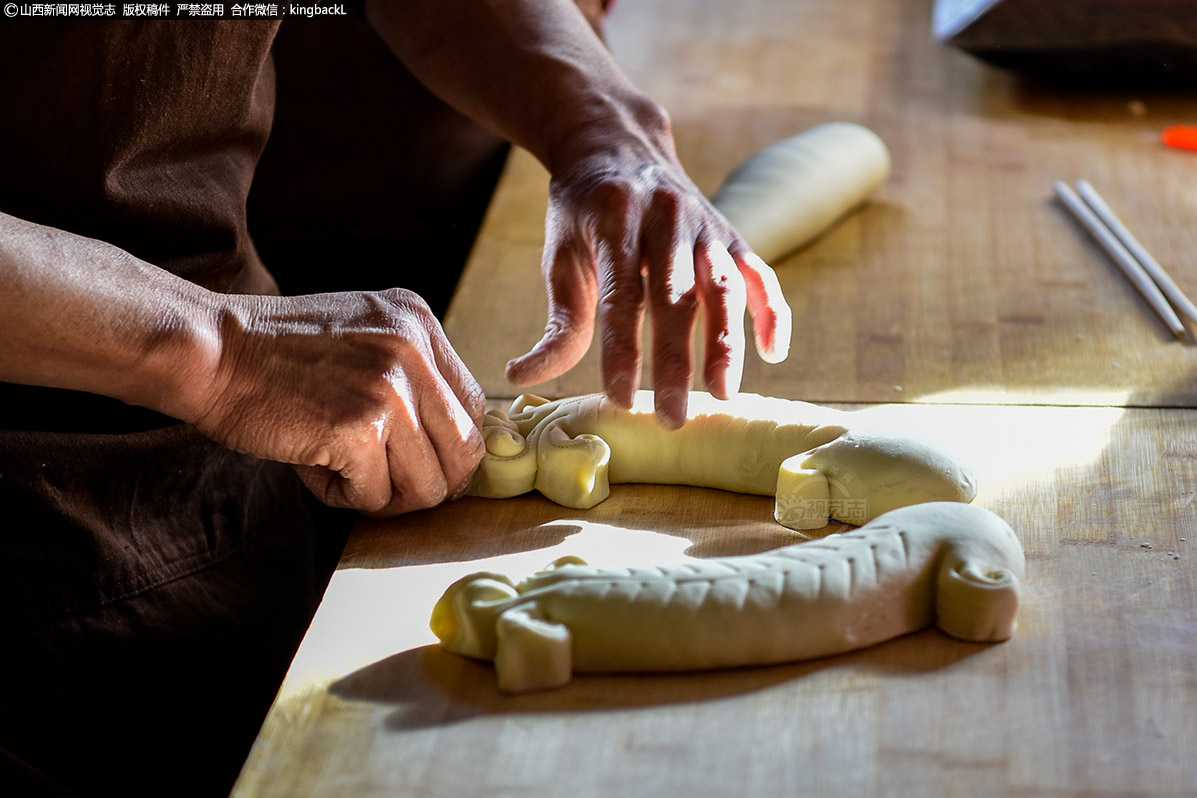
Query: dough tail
[975,601]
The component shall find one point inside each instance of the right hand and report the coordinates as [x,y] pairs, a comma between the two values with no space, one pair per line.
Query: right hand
[361,391]
[628,232]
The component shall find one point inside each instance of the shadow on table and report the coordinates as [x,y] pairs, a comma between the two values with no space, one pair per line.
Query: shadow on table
[430,687]
[717,524]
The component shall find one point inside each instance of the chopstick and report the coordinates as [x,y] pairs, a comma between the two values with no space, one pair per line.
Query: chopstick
[1133,270]
[1181,303]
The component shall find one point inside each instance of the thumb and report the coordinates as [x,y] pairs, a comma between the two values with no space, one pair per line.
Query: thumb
[572,292]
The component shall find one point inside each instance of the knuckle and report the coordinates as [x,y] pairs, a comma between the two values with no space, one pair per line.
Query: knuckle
[407,304]
[654,117]
[428,495]
[666,205]
[736,246]
[417,494]
[376,506]
[613,195]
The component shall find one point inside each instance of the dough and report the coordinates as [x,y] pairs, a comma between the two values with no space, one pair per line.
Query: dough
[572,449]
[794,190]
[950,564]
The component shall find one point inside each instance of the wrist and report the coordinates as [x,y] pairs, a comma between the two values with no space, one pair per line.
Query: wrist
[176,361]
[631,126]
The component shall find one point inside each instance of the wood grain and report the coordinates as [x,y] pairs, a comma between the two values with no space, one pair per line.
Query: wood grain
[962,281]
[961,305]
[1095,695]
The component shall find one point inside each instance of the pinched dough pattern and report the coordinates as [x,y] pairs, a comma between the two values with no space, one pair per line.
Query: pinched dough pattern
[572,450]
[949,564]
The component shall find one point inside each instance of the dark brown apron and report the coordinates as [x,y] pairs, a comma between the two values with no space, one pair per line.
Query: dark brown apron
[153,584]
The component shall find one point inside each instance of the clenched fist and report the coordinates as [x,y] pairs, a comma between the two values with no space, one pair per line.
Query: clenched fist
[361,391]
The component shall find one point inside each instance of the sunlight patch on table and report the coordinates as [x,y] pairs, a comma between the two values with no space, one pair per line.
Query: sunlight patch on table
[369,614]
[1008,446]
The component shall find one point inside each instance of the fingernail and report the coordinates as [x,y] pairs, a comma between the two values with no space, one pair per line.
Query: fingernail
[776,353]
[671,408]
[620,391]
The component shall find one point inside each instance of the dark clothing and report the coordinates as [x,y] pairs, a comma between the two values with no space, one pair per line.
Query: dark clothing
[148,619]
[368,176]
[141,134]
[153,584]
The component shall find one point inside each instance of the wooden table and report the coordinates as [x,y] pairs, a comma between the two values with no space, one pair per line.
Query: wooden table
[963,306]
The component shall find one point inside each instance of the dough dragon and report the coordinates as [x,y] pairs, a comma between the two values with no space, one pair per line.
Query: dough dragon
[572,450]
[950,564]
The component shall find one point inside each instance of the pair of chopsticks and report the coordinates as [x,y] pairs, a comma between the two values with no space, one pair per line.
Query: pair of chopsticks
[1156,286]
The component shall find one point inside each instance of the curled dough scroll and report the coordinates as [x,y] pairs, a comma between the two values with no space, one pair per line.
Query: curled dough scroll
[572,450]
[948,564]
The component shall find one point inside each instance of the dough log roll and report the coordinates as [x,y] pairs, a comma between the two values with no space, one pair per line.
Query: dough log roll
[572,450]
[953,565]
[792,191]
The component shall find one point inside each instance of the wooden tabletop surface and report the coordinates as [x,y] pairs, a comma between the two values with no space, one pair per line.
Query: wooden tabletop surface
[964,280]
[962,305]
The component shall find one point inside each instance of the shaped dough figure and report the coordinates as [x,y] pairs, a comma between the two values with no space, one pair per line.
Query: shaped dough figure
[792,191]
[572,449]
[953,565]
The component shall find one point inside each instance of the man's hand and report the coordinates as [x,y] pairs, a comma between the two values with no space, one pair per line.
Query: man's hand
[627,230]
[361,391]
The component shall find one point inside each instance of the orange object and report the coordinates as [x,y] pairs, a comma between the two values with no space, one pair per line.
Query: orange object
[1182,137]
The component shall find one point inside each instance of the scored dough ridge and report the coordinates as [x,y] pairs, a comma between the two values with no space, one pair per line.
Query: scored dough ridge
[946,563]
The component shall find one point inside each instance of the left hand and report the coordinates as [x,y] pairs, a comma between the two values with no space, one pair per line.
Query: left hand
[628,230]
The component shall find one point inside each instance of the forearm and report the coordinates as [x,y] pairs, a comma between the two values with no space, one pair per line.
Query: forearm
[532,70]
[81,314]
[362,391]
[626,229]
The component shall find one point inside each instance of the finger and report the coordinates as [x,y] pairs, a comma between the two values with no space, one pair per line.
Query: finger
[451,430]
[457,376]
[722,296]
[771,316]
[672,296]
[417,480]
[621,310]
[573,292]
[362,483]
[427,337]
